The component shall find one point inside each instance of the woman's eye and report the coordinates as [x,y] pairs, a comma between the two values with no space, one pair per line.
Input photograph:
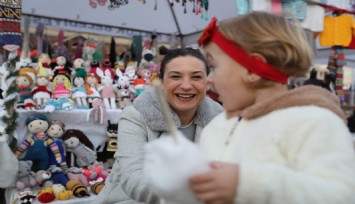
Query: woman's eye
[197,77]
[174,77]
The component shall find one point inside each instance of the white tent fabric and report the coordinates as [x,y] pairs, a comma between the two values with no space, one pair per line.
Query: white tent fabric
[134,15]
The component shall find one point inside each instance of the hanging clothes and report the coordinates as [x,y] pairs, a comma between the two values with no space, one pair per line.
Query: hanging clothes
[313,21]
[343,4]
[10,24]
[338,30]
[243,7]
[296,7]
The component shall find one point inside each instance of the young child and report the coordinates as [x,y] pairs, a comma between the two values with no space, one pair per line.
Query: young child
[273,145]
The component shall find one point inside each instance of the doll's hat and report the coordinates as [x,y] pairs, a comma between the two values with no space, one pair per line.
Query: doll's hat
[33,117]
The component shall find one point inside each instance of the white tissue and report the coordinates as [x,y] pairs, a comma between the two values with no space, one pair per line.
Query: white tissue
[168,166]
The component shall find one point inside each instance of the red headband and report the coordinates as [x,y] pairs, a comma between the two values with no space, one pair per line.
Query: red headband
[253,64]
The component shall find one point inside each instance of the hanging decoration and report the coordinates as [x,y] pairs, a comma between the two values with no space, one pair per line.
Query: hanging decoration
[113,4]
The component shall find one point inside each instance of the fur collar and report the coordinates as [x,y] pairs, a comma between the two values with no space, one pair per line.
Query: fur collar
[303,96]
[148,106]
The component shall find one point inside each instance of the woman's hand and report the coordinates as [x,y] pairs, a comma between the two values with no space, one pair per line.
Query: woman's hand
[217,186]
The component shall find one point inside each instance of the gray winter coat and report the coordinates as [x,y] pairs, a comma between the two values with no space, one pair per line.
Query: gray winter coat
[141,123]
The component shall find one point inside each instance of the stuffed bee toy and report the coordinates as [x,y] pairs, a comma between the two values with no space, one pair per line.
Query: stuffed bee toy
[78,189]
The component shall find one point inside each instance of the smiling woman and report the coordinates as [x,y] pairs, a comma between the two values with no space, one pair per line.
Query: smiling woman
[183,75]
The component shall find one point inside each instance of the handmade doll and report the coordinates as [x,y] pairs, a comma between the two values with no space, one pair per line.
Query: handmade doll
[139,86]
[55,131]
[37,143]
[108,66]
[79,93]
[41,94]
[61,86]
[24,178]
[145,74]
[107,90]
[24,82]
[110,145]
[91,82]
[63,67]
[79,67]
[77,142]
[94,65]
[43,67]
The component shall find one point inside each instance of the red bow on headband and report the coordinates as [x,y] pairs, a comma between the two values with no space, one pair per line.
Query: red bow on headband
[208,32]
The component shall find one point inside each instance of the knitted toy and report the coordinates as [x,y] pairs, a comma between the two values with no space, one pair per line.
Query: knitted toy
[79,190]
[139,86]
[130,71]
[145,74]
[43,178]
[51,106]
[43,66]
[89,51]
[94,65]
[91,83]
[107,90]
[41,94]
[79,92]
[37,143]
[24,82]
[62,67]
[99,168]
[25,179]
[110,145]
[45,195]
[58,188]
[64,195]
[99,111]
[61,86]
[97,186]
[24,197]
[108,66]
[55,131]
[66,104]
[78,143]
[169,164]
[9,164]
[58,176]
[79,67]
[29,104]
[75,173]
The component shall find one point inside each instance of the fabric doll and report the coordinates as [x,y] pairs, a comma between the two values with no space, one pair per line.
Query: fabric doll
[24,82]
[79,93]
[43,66]
[145,74]
[77,142]
[37,143]
[75,173]
[123,91]
[94,65]
[107,90]
[62,67]
[91,83]
[139,86]
[61,86]
[41,94]
[108,66]
[89,51]
[110,145]
[51,106]
[99,110]
[66,104]
[55,132]
[79,67]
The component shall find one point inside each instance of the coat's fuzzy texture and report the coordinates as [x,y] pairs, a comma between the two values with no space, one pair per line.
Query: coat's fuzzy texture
[140,123]
[294,148]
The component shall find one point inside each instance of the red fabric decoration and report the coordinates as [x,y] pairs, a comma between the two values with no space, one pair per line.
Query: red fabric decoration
[46,197]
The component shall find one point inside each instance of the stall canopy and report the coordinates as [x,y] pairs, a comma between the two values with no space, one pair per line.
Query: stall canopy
[134,17]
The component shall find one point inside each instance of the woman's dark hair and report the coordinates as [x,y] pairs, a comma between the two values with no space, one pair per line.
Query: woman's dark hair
[181,52]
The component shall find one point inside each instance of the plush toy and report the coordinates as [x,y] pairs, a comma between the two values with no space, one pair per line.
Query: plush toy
[43,67]
[61,86]
[148,56]
[97,186]
[58,188]
[110,145]
[99,168]
[107,90]
[63,67]
[37,143]
[24,82]
[139,86]
[66,104]
[123,97]
[43,178]
[91,83]
[45,195]
[55,131]
[41,93]
[108,66]
[25,179]
[99,111]
[94,65]
[130,71]
[29,104]
[119,65]
[75,173]
[79,93]
[89,51]
[58,175]
[51,106]
[9,164]
[77,142]
[64,195]
[79,190]
[24,197]
[145,74]
[78,67]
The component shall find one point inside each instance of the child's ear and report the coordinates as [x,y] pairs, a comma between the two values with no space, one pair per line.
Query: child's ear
[252,77]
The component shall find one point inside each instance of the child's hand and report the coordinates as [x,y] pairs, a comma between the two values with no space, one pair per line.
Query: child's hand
[217,186]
